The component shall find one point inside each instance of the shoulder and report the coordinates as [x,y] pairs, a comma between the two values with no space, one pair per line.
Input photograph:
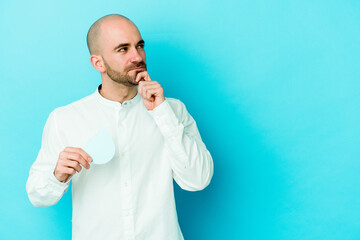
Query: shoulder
[74,108]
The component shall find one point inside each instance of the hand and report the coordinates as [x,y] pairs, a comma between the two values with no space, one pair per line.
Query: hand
[151,91]
[69,162]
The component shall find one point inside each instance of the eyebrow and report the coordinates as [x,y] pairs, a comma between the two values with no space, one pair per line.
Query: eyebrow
[128,44]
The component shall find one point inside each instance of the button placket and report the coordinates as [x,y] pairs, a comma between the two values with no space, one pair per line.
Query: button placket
[125,180]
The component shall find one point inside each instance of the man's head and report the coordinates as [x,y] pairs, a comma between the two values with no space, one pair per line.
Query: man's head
[117,49]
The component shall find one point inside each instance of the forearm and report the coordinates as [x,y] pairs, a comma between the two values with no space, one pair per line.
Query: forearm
[191,162]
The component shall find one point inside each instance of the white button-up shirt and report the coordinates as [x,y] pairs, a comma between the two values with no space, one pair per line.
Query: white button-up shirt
[131,196]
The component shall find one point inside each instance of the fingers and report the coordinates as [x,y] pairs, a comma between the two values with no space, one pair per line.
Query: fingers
[69,167]
[150,93]
[73,159]
[70,161]
[142,76]
[79,151]
[73,164]
[149,90]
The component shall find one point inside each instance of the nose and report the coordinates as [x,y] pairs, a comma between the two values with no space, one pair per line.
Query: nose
[135,56]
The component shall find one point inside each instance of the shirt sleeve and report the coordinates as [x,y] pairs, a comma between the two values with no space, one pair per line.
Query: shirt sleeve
[191,162]
[42,187]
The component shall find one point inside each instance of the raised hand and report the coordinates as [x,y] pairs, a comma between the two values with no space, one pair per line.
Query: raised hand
[151,91]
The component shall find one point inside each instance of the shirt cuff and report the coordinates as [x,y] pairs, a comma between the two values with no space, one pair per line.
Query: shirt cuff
[56,185]
[166,119]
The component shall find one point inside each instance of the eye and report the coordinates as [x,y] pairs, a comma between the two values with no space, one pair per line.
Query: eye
[141,46]
[123,49]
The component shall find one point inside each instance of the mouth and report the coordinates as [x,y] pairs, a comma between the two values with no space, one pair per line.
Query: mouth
[138,69]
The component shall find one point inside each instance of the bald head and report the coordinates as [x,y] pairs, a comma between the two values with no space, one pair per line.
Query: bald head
[94,32]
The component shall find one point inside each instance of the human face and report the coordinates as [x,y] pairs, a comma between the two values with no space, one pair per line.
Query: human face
[123,52]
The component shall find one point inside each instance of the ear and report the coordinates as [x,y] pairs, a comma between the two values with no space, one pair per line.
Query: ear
[97,63]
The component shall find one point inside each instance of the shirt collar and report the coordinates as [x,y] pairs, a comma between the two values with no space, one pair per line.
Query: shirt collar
[111,103]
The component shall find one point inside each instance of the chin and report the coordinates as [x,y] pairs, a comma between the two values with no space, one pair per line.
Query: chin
[133,82]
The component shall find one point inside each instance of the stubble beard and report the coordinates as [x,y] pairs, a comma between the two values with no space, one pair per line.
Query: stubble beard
[123,77]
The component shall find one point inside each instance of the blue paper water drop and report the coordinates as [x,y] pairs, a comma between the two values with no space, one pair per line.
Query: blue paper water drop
[101,147]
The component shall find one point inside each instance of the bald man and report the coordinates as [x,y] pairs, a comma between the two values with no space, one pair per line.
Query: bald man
[121,147]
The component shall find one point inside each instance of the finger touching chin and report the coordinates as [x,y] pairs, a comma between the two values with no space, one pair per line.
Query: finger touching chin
[143,76]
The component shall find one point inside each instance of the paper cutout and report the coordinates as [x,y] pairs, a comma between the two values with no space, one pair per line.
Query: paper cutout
[101,147]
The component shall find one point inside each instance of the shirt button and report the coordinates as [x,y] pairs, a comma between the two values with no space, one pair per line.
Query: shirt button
[126,184]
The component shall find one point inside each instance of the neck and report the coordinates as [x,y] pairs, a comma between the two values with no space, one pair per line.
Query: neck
[117,92]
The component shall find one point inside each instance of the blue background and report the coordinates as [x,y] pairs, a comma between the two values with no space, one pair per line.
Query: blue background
[273,85]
